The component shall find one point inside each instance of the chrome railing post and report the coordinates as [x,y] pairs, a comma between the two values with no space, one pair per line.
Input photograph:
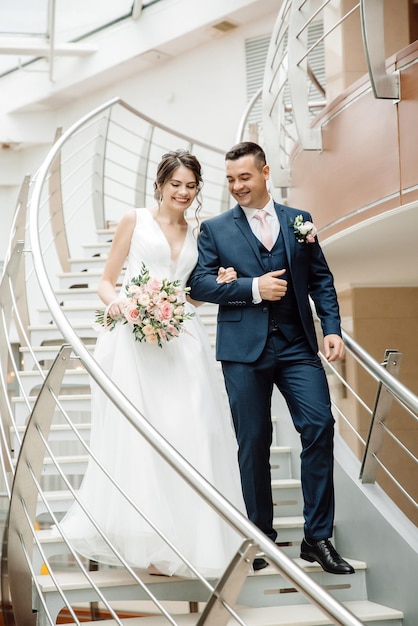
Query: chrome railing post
[143,168]
[229,586]
[18,234]
[11,272]
[275,131]
[57,210]
[384,85]
[310,138]
[18,535]
[381,412]
[99,168]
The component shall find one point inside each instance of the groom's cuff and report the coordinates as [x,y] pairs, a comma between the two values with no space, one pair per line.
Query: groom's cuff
[256,292]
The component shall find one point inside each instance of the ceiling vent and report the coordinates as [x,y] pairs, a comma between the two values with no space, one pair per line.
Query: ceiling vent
[225,26]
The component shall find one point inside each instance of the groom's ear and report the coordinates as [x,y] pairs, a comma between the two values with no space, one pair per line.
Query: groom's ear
[266,172]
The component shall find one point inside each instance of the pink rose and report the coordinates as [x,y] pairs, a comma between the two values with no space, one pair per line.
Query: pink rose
[154,284]
[162,334]
[131,313]
[166,310]
[143,299]
[173,330]
[178,311]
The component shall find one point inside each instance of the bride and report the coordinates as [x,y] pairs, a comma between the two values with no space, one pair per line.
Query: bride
[177,388]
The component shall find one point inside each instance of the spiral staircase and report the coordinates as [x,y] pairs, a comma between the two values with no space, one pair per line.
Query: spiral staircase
[62,230]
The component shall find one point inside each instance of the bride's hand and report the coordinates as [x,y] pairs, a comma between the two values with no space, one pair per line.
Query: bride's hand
[227,275]
[115,308]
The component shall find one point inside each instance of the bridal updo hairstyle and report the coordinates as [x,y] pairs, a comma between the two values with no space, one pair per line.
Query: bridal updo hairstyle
[168,165]
[170,162]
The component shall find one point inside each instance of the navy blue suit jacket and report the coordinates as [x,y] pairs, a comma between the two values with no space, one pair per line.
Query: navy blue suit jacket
[227,240]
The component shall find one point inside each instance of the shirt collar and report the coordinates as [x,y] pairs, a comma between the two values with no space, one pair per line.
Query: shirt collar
[269,208]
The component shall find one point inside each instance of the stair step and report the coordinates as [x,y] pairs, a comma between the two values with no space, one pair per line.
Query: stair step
[72,378]
[53,543]
[59,501]
[68,280]
[39,354]
[269,588]
[280,462]
[264,589]
[81,313]
[303,615]
[70,402]
[40,333]
[63,432]
[81,295]
[87,263]
[70,464]
[89,278]
[97,248]
[116,584]
[287,497]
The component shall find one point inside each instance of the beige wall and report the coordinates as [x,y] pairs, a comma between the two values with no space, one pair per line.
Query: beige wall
[381,318]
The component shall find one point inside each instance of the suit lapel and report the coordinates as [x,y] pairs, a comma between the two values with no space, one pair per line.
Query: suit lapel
[284,221]
[243,225]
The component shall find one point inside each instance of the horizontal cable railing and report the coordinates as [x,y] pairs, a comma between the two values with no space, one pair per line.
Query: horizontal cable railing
[371,425]
[300,57]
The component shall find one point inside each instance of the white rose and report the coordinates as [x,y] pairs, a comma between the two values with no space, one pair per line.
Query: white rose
[305,228]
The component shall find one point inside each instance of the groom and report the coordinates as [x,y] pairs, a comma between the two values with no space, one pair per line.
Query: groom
[266,337]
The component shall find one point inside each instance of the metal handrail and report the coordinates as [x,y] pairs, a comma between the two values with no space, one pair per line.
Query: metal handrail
[288,71]
[292,572]
[380,374]
[384,85]
[285,565]
[386,382]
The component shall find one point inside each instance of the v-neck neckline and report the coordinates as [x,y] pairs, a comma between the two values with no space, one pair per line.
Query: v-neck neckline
[160,230]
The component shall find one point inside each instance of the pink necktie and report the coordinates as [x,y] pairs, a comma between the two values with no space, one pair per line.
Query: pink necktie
[265,232]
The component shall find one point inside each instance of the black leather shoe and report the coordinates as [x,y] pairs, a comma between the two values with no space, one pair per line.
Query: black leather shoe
[259,563]
[326,555]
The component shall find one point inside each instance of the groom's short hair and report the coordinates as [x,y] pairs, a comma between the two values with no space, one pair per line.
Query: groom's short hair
[245,148]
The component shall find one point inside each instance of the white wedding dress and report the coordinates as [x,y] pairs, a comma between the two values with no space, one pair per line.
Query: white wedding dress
[179,390]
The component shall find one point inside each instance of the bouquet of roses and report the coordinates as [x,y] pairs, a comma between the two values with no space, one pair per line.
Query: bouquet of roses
[154,309]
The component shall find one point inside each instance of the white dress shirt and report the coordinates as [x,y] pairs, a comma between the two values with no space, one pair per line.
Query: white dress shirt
[254,223]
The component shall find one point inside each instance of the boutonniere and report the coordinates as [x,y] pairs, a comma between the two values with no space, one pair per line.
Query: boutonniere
[305,231]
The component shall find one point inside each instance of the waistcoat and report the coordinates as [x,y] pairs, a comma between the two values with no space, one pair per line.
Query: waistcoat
[284,314]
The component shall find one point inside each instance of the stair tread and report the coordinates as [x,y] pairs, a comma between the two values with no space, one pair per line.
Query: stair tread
[35,373]
[40,349]
[285,483]
[292,615]
[118,576]
[96,272]
[52,325]
[280,449]
[292,521]
[50,535]
[62,427]
[75,290]
[61,397]
[103,578]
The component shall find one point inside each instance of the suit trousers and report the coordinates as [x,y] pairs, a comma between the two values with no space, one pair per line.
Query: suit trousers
[300,377]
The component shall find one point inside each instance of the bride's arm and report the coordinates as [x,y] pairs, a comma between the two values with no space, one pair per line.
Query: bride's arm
[115,262]
[227,275]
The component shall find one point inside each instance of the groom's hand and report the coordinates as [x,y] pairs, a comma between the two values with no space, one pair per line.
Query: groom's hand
[271,286]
